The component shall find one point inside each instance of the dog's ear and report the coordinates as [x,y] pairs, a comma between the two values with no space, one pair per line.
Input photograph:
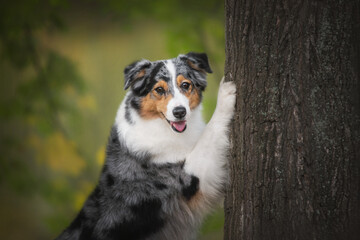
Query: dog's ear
[135,74]
[198,61]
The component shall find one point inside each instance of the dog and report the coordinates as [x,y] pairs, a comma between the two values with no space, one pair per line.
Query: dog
[165,169]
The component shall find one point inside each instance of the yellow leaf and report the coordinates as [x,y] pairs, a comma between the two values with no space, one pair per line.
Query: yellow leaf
[100,156]
[80,197]
[57,153]
[87,102]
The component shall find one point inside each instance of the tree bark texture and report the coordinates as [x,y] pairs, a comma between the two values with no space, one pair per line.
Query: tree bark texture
[295,140]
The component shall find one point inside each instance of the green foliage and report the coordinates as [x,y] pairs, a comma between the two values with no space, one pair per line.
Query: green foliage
[213,226]
[33,98]
[18,20]
[190,24]
[51,156]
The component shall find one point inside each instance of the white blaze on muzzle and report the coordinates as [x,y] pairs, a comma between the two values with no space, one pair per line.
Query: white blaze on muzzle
[178,100]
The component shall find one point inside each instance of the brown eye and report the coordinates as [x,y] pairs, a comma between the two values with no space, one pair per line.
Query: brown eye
[185,86]
[160,90]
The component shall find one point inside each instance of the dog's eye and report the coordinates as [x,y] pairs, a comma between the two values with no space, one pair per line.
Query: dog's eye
[160,90]
[185,86]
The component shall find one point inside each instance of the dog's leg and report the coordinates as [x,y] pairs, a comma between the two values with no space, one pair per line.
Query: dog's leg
[207,161]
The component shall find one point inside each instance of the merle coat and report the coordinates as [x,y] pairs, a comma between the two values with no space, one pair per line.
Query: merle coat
[135,199]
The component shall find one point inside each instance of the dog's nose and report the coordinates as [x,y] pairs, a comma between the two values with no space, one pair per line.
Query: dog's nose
[179,112]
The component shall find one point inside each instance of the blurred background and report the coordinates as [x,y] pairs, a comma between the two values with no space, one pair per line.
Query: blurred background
[61,82]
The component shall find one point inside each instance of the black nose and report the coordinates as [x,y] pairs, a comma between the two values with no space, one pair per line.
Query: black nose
[179,112]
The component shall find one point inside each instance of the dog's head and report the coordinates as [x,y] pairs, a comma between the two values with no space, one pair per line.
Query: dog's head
[168,89]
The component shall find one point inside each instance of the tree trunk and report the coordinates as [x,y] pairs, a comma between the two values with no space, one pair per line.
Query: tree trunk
[295,171]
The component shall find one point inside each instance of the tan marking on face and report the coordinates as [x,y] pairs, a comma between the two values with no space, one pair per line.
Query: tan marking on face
[154,105]
[192,93]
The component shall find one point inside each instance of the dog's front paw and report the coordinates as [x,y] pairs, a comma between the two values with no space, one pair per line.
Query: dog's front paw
[226,98]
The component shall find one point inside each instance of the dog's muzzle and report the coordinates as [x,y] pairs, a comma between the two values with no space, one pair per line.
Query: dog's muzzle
[179,113]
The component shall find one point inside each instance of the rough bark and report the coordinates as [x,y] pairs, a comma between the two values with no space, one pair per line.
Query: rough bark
[295,137]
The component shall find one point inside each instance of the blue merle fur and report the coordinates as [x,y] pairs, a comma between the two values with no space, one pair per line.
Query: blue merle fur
[134,199]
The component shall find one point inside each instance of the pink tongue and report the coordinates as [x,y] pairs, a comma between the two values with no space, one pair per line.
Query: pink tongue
[180,126]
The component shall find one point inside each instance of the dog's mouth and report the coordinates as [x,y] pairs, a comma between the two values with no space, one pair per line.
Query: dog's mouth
[177,126]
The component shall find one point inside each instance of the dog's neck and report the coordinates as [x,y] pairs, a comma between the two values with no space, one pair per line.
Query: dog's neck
[156,136]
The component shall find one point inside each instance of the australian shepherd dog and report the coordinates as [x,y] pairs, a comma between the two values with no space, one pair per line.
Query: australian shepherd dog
[164,168]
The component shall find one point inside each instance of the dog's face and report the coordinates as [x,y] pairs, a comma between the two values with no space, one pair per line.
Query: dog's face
[168,89]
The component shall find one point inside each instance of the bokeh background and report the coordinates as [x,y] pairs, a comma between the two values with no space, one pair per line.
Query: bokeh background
[61,82]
